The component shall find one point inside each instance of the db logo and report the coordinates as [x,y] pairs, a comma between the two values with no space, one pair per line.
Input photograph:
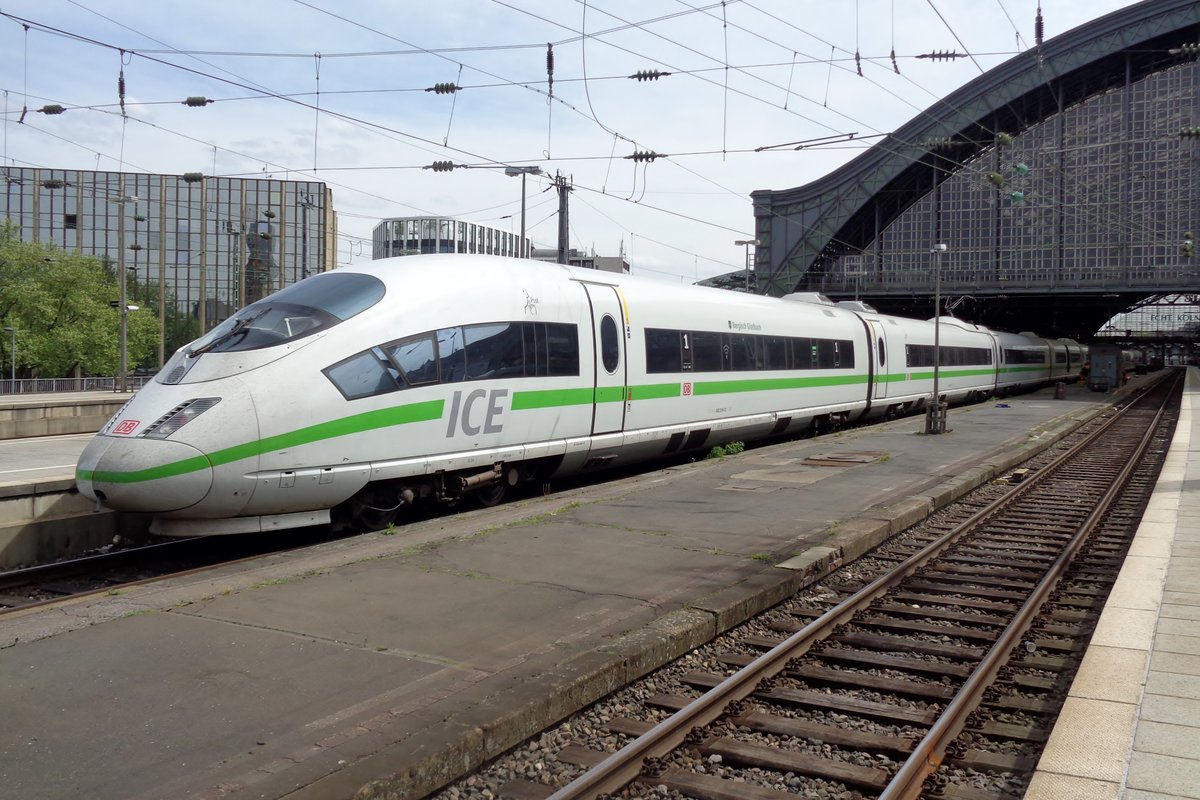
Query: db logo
[687,389]
[127,427]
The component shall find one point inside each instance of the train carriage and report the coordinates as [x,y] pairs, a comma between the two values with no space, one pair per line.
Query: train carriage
[355,393]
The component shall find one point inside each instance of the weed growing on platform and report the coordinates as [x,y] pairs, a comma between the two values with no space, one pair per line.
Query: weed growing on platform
[722,450]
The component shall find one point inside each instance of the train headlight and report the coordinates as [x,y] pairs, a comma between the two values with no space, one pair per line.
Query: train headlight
[179,416]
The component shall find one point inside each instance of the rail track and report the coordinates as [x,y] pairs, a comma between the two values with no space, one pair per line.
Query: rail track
[935,667]
[99,572]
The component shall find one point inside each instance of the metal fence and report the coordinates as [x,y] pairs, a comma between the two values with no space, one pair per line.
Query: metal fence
[22,386]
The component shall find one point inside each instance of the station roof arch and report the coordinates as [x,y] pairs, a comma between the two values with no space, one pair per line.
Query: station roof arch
[801,230]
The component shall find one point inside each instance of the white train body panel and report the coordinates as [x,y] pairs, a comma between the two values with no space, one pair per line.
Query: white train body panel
[423,370]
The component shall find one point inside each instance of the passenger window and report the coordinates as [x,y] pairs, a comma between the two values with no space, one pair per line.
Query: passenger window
[495,351]
[706,351]
[452,354]
[534,335]
[562,349]
[882,353]
[775,352]
[744,351]
[364,375]
[610,345]
[662,350]
[417,359]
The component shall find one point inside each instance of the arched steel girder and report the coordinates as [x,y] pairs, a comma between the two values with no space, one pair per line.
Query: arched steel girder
[801,230]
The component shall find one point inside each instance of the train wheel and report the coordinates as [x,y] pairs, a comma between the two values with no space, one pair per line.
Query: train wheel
[372,512]
[492,495]
[374,519]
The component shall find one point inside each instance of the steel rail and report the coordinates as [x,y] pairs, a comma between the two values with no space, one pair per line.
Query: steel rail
[623,766]
[24,576]
[908,782]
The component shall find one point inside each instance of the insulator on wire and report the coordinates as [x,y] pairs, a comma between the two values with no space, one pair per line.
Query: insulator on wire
[550,68]
[895,66]
[995,178]
[1185,50]
[1039,27]
[51,109]
[197,101]
[1189,133]
[440,166]
[858,63]
[121,85]
[648,75]
[444,88]
[1004,139]
[646,155]
[943,55]
[939,143]
[192,177]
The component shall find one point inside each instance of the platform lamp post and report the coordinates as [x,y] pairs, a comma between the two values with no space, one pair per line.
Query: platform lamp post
[746,262]
[123,301]
[13,369]
[512,172]
[935,417]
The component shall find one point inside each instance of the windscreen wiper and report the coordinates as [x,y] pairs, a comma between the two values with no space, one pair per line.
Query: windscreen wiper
[238,327]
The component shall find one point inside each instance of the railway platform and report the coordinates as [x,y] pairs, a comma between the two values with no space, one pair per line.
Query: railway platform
[355,669]
[1130,727]
[56,413]
[42,516]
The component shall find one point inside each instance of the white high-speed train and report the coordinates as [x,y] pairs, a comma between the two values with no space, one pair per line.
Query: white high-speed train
[354,393]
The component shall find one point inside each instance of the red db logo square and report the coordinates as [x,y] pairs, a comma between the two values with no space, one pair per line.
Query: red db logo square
[127,427]
[687,390]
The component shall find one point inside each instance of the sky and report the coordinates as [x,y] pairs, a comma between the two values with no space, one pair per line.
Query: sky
[341,92]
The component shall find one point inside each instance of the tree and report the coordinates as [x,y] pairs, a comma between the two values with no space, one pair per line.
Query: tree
[59,304]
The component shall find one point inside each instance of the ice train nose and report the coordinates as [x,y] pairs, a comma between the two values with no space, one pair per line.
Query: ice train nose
[143,475]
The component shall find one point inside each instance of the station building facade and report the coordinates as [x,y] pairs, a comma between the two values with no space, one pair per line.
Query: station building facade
[195,248]
[1050,193]
[409,236]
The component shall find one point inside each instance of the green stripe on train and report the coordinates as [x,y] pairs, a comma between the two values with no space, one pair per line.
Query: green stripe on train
[774,384]
[950,373]
[521,401]
[551,398]
[356,423]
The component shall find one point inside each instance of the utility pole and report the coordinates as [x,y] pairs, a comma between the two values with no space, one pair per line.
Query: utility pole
[123,306]
[564,231]
[305,204]
[935,417]
[522,171]
[746,263]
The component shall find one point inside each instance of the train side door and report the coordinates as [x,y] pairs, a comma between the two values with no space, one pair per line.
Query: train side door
[609,362]
[880,367]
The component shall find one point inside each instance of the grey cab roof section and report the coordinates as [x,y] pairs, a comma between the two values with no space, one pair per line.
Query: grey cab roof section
[799,229]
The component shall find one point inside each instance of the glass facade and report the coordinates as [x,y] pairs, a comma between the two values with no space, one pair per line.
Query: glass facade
[196,248]
[408,236]
[1099,195]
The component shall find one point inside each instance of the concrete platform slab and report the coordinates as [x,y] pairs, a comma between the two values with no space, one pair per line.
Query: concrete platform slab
[361,665]
[1160,729]
[1149,772]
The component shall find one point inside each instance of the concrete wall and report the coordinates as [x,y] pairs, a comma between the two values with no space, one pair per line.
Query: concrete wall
[21,419]
[50,520]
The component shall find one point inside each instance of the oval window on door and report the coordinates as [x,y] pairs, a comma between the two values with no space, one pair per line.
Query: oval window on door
[882,357]
[610,345]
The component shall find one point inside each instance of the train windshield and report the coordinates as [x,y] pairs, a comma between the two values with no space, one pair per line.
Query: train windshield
[300,310]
